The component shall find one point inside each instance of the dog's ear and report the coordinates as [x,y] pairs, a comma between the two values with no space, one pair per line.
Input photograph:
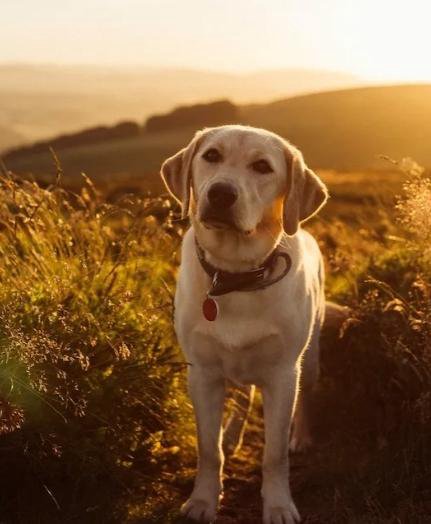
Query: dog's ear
[176,173]
[306,193]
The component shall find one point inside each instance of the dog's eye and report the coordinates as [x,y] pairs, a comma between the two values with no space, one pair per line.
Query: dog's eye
[212,156]
[261,166]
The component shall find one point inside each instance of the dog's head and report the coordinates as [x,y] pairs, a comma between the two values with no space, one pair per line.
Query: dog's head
[243,183]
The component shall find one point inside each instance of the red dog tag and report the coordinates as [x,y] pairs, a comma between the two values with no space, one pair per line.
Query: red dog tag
[210,309]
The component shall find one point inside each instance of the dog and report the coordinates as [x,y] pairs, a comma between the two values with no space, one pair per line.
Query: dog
[249,303]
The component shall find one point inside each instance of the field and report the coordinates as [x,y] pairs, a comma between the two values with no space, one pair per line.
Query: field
[95,421]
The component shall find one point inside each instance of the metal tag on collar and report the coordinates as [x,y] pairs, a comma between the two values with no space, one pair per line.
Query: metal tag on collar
[210,308]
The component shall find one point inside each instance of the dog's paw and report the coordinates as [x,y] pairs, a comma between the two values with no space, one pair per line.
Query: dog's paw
[199,510]
[278,505]
[281,514]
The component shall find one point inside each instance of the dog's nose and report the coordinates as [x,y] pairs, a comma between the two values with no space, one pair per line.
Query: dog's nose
[222,195]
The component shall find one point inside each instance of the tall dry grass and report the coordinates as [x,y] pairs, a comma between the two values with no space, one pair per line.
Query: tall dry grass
[380,424]
[94,422]
[88,372]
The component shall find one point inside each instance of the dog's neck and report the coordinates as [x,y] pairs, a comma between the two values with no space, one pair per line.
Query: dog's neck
[233,252]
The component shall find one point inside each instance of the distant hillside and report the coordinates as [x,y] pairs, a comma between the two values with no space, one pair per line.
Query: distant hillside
[93,135]
[198,115]
[183,117]
[42,101]
[348,129]
[344,130]
[9,138]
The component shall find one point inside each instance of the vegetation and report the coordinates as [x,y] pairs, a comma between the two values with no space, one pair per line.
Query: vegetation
[87,367]
[95,422]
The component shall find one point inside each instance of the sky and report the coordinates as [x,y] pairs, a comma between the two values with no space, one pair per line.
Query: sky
[375,39]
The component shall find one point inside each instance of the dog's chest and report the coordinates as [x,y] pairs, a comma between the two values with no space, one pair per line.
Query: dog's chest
[243,318]
[244,341]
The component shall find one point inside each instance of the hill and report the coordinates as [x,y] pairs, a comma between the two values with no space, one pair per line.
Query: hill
[9,138]
[212,114]
[92,135]
[349,129]
[342,130]
[42,101]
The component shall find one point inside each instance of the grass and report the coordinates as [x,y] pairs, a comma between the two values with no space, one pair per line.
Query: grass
[87,356]
[94,419]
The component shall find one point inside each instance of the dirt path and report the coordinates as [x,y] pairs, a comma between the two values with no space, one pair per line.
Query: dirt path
[242,503]
[354,474]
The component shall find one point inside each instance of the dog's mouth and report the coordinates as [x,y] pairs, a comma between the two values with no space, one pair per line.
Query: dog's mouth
[215,222]
[218,223]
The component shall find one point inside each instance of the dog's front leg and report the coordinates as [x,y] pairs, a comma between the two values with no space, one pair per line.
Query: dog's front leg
[279,396]
[207,392]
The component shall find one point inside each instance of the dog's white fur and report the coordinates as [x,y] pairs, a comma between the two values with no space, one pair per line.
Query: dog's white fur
[263,338]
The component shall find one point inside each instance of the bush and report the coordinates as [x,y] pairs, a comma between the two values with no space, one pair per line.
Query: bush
[87,358]
[382,364]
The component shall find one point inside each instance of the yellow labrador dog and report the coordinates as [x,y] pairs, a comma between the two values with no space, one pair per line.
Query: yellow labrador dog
[250,302]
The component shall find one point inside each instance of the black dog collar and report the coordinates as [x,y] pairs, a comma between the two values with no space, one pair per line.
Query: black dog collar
[224,282]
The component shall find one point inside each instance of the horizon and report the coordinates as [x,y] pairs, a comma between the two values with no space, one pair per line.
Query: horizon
[176,68]
[363,82]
